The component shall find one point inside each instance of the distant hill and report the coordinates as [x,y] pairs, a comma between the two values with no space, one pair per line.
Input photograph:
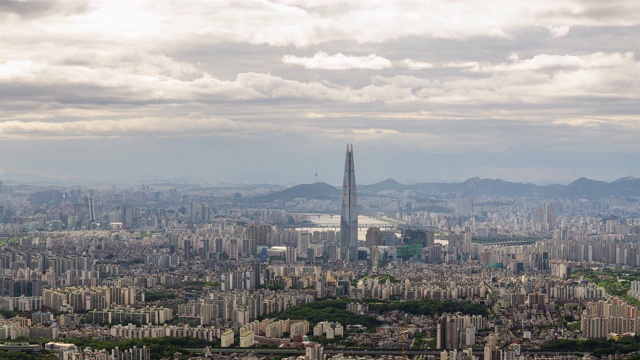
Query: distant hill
[319,191]
[13,177]
[628,186]
[583,187]
[473,186]
[384,185]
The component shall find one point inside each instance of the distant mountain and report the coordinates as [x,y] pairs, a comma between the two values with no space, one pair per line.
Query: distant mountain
[319,190]
[473,186]
[583,187]
[625,179]
[477,186]
[628,186]
[13,177]
[388,184]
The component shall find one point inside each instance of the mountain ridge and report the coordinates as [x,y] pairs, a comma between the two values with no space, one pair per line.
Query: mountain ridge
[581,187]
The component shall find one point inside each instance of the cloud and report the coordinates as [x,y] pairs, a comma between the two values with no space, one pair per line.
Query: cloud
[547,61]
[624,122]
[301,24]
[461,65]
[339,61]
[31,9]
[298,24]
[416,65]
[543,79]
[185,80]
[135,79]
[559,30]
[156,78]
[148,126]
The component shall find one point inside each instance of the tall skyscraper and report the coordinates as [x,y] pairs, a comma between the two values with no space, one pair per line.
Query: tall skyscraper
[92,211]
[349,214]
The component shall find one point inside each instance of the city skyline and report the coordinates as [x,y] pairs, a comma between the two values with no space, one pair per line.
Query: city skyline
[265,92]
[483,269]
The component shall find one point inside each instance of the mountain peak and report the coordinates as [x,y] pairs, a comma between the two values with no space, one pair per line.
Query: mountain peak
[625,179]
[582,181]
[389,181]
[318,190]
[388,184]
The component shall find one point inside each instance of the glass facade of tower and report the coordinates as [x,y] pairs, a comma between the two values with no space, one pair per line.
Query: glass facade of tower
[349,214]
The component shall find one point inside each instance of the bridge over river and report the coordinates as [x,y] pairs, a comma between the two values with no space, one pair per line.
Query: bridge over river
[361,352]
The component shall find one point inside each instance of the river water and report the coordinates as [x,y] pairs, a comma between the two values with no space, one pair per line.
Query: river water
[332,222]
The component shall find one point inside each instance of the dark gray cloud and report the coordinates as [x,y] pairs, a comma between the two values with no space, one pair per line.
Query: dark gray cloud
[32,9]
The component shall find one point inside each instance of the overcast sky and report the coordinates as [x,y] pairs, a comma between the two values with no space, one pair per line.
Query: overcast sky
[257,91]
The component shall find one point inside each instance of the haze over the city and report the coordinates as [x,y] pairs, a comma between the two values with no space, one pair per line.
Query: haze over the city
[272,91]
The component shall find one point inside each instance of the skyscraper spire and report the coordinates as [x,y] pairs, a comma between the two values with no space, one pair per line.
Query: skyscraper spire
[349,214]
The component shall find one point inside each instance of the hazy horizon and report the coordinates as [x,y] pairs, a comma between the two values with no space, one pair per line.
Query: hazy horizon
[36,179]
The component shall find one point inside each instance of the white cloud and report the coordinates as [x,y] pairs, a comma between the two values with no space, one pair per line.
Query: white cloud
[559,30]
[626,122]
[339,61]
[147,126]
[591,77]
[546,61]
[151,23]
[416,65]
[461,65]
[162,79]
[542,79]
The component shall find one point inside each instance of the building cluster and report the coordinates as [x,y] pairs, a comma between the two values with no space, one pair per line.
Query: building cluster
[611,317]
[127,315]
[222,264]
[88,298]
[458,331]
[240,307]
[72,352]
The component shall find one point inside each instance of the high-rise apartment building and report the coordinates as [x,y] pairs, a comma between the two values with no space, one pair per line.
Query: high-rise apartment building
[127,216]
[349,214]
[373,240]
[550,215]
[259,234]
[304,238]
[194,212]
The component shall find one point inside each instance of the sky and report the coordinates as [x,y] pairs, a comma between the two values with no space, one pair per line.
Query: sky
[272,91]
